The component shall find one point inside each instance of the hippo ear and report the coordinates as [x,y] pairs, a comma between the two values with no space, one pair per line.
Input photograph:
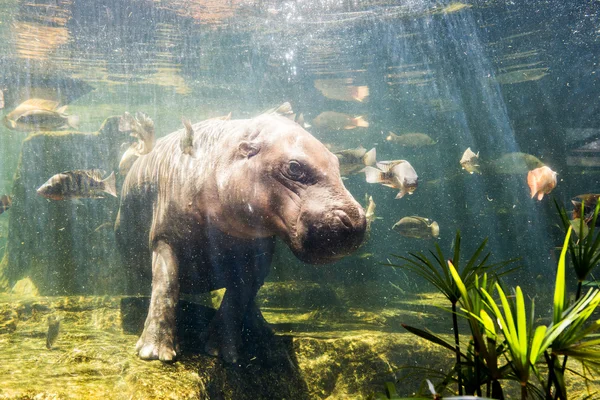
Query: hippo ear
[248,149]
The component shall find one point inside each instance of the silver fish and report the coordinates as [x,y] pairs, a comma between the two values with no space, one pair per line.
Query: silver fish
[397,174]
[78,184]
[352,161]
[334,121]
[417,227]
[411,139]
[53,329]
[40,114]
[470,161]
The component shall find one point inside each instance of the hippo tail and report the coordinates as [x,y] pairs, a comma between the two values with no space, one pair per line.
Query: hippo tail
[110,184]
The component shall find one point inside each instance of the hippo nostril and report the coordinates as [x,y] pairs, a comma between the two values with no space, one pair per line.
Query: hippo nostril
[344,218]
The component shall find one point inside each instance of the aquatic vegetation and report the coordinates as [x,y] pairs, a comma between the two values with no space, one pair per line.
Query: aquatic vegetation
[505,344]
[437,273]
[584,249]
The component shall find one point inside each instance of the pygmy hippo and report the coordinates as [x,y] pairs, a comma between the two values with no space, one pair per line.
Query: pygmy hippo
[207,218]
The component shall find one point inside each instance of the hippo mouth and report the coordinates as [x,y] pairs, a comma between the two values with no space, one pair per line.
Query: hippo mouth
[327,239]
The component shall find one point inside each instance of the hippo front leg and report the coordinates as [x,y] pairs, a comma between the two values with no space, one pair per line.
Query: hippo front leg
[159,341]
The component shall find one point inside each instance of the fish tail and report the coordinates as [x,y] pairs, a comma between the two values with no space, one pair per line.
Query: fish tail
[361,93]
[370,157]
[110,184]
[360,122]
[435,229]
[373,175]
[532,182]
[73,121]
[391,136]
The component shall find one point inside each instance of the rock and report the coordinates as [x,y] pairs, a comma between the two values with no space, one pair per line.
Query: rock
[25,287]
[55,243]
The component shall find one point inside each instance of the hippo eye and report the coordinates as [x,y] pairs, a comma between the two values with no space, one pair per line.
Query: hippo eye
[295,170]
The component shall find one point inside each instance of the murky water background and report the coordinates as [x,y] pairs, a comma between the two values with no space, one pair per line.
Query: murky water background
[498,77]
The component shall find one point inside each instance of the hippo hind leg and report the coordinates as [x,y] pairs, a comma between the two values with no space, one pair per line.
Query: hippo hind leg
[159,338]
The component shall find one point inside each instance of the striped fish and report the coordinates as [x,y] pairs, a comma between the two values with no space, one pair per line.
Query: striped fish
[78,184]
[5,203]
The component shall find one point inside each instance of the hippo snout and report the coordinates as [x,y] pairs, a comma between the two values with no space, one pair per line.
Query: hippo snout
[326,237]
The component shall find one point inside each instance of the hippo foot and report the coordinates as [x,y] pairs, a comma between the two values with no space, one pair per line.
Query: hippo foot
[220,343]
[256,326]
[152,346]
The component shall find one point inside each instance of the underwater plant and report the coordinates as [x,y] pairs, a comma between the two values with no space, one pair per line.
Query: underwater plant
[506,346]
[584,247]
[436,272]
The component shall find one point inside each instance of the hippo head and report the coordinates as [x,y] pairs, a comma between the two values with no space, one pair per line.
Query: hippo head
[282,181]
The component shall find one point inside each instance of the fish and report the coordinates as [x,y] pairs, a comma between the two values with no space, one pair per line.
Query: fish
[577,225]
[589,201]
[336,121]
[541,181]
[470,161]
[352,161]
[515,163]
[142,128]
[398,174]
[411,139]
[53,329]
[78,184]
[417,227]
[300,121]
[187,142]
[5,203]
[370,211]
[40,114]
[284,110]
[341,89]
[364,256]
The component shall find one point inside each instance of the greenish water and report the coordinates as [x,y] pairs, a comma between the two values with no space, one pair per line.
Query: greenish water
[498,77]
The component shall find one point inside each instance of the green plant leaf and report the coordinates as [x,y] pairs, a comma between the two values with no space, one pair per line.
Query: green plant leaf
[429,336]
[559,286]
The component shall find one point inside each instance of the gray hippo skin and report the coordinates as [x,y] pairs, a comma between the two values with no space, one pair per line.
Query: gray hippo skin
[208,220]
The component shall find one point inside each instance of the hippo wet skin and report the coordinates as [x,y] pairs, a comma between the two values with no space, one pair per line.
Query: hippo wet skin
[208,219]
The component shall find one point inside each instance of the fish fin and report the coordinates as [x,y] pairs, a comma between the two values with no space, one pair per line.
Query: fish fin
[300,120]
[435,229]
[370,157]
[360,122]
[49,105]
[73,121]
[532,182]
[373,175]
[540,195]
[110,184]
[385,166]
[401,193]
[61,110]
